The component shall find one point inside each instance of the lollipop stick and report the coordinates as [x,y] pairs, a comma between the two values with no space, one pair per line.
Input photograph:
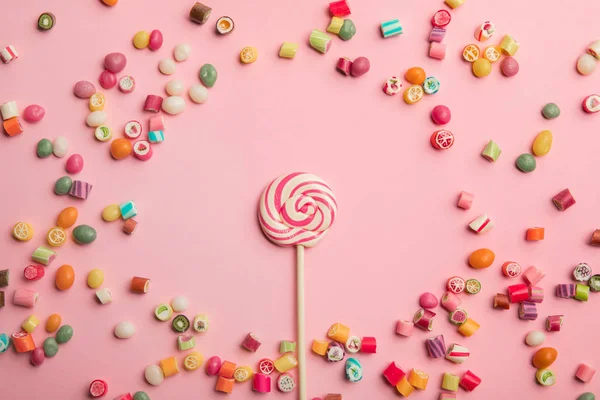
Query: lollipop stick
[300,315]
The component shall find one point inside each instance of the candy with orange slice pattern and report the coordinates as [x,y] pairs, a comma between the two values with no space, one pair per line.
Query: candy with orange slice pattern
[471,52]
[442,139]
[413,94]
[97,102]
[248,55]
[56,236]
[22,231]
[492,54]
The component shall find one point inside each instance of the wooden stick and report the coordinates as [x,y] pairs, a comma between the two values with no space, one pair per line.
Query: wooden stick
[300,316]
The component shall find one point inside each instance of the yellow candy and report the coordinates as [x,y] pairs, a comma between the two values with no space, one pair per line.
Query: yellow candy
[509,45]
[288,50]
[243,374]
[111,213]
[335,25]
[285,363]
[542,143]
[482,67]
[455,3]
[97,102]
[141,40]
[22,231]
[95,278]
[413,94]
[31,323]
[248,55]
[193,361]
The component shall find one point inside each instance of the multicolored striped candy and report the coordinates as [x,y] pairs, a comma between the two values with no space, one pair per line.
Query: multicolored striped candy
[436,347]
[80,189]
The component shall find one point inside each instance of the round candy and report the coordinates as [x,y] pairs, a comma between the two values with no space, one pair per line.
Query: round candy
[141,396]
[120,148]
[97,102]
[431,85]
[65,276]
[208,75]
[481,258]
[67,217]
[163,312]
[542,143]
[545,377]
[587,396]
[441,115]
[74,163]
[180,323]
[141,40]
[95,278]
[482,67]
[471,53]
[415,75]
[213,366]
[124,330]
[64,334]
[174,87]
[110,3]
[63,185]
[127,84]
[98,388]
[111,213]
[550,111]
[44,148]
[181,52]
[108,79]
[544,357]
[53,323]
[582,272]
[60,146]
[413,94]
[173,105]
[586,64]
[535,338]
[360,66]
[96,118]
[179,304]
[46,21]
[472,286]
[103,133]
[84,234]
[33,113]
[511,269]
[225,25]
[509,66]
[441,18]
[23,231]
[84,89]
[428,300]
[198,93]
[248,55]
[133,129]
[34,272]
[442,139]
[37,356]
[154,375]
[155,41]
[392,86]
[115,62]
[167,66]
[526,162]
[56,236]
[50,347]
[348,30]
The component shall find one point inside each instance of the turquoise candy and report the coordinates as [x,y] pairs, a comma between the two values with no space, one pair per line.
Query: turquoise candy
[44,148]
[84,234]
[526,162]
[63,185]
[141,396]
[550,111]
[354,371]
[4,342]
[348,30]
[64,334]
[587,396]
[50,347]
[208,75]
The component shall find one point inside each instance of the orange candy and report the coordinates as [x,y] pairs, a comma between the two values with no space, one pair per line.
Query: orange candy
[534,234]
[471,53]
[224,385]
[415,75]
[110,3]
[544,357]
[120,148]
[53,322]
[481,258]
[227,369]
[12,126]
[65,276]
[67,217]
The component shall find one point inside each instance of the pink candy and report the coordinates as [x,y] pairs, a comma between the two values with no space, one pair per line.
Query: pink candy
[465,200]
[450,301]
[116,62]
[585,373]
[108,79]
[37,356]
[84,89]
[156,123]
[251,343]
[33,113]
[360,66]
[153,103]
[343,65]
[437,50]
[156,40]
[405,328]
[213,366]
[25,298]
[261,383]
[393,374]
[509,66]
[74,164]
[441,115]
[428,300]
[533,275]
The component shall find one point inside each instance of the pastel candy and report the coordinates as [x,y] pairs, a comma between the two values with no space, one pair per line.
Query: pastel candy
[63,185]
[128,210]
[50,347]
[391,28]
[80,189]
[64,334]
[156,136]
[44,148]
[208,75]
[4,342]
[33,113]
[84,234]
[354,370]
[348,30]
[60,146]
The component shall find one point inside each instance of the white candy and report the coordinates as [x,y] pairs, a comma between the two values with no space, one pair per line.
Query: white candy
[154,375]
[96,118]
[124,330]
[104,296]
[594,49]
[179,304]
[9,110]
[586,64]
[167,66]
[535,338]
[198,93]
[174,87]
[182,52]
[60,146]
[173,105]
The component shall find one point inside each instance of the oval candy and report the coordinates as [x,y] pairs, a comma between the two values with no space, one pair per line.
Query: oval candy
[84,234]
[208,75]
[74,163]
[50,347]
[141,40]
[198,93]
[182,51]
[114,62]
[65,276]
[95,119]
[173,105]
[544,357]
[213,366]
[33,113]
[37,356]
[542,143]
[60,146]
[587,396]
[67,217]
[141,396]
[535,338]
[53,323]
[154,375]
[551,111]
[95,278]
[84,89]
[481,258]
[64,334]
[156,40]
[526,162]
[111,213]
[63,185]
[124,330]
[44,148]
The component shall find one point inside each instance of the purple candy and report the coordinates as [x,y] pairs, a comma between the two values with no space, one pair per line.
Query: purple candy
[436,347]
[80,189]
[84,89]
[33,113]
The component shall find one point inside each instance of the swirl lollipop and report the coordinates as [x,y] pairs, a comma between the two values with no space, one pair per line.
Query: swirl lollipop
[297,210]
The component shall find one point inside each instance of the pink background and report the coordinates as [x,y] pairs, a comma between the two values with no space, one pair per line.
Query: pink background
[398,234]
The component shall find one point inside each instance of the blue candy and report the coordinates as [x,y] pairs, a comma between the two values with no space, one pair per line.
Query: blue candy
[354,371]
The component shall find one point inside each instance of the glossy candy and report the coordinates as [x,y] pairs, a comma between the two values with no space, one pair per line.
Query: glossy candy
[169,366]
[441,115]
[428,300]
[167,66]
[544,357]
[114,62]
[200,13]
[501,301]
[120,148]
[50,347]
[43,255]
[95,278]
[84,89]
[468,328]
[423,319]
[335,352]
[354,370]
[180,323]
[471,53]
[437,50]
[251,343]
[84,234]
[391,28]
[485,31]
[213,366]
[32,273]
[491,151]
[155,41]
[535,338]
[181,52]
[193,361]
[360,66]
[450,382]
[348,30]
[153,103]
[208,75]
[509,66]
[535,234]
[154,375]
[563,200]
[458,316]
[528,311]
[98,388]
[289,50]
[469,381]
[481,258]
[418,379]
[550,111]
[80,189]
[33,113]
[526,162]
[481,224]
[261,383]
[591,104]
[95,119]
[442,139]
[74,164]
[30,323]
[403,387]
[581,292]
[585,373]
[124,330]
[587,396]
[586,64]
[46,21]
[141,40]
[173,105]
[65,276]
[44,148]
[108,79]
[481,67]
[320,41]
[225,25]
[335,25]
[436,347]
[198,93]
[509,45]
[542,143]
[60,146]
[393,374]
[174,87]
[339,8]
[37,356]
[67,217]
[163,312]
[437,34]
[441,18]
[343,65]
[415,75]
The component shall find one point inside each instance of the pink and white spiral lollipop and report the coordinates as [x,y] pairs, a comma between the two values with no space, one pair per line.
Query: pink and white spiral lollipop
[297,209]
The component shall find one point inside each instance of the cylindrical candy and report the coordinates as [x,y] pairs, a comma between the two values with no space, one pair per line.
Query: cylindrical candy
[450,382]
[437,34]
[391,28]
[153,103]
[404,328]
[565,290]
[491,151]
[469,381]
[142,150]
[22,342]
[441,18]
[533,275]
[98,388]
[339,8]
[591,104]
[450,301]
[485,31]
[582,292]
[585,373]
[545,377]
[25,298]
[436,347]
[465,200]
[344,65]
[403,387]
[31,273]
[501,301]
[9,110]
[335,352]
[393,374]
[169,366]
[126,84]
[536,294]
[129,226]
[442,139]
[30,323]
[554,323]
[509,45]
[594,283]
[511,269]
[563,200]
[320,41]
[528,311]
[335,25]
[354,370]
[437,50]
[200,13]
[423,319]
[418,379]
[12,127]
[582,272]
[481,224]
[43,255]
[156,136]
[368,345]
[251,343]
[338,332]
[456,284]
[104,296]
[535,234]
[140,285]
[261,383]
[103,133]
[224,385]
[128,210]
[289,50]
[458,316]
[468,328]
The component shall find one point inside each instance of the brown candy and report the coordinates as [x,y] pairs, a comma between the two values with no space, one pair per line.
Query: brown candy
[596,238]
[501,301]
[4,277]
[129,226]
[1,298]
[200,13]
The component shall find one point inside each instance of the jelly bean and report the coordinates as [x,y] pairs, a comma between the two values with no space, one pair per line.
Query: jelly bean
[44,148]
[348,30]
[37,356]
[174,87]
[155,41]
[65,276]
[586,64]
[481,258]
[535,338]
[120,148]
[96,118]
[74,164]
[63,185]
[141,40]
[360,66]
[181,52]
[154,375]
[173,105]
[441,115]
[33,113]
[84,234]
[167,66]
[550,111]
[95,278]
[542,143]
[415,75]
[108,80]
[526,162]
[544,357]
[111,213]
[141,396]
[509,66]
[587,396]
[53,323]
[198,93]
[213,366]
[124,330]
[67,217]
[84,89]
[50,347]
[482,67]
[208,75]
[64,334]
[110,3]
[60,146]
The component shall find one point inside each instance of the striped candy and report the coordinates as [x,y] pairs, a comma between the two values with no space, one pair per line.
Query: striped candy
[128,210]
[437,34]
[458,354]
[565,290]
[391,28]
[80,189]
[528,311]
[8,54]
[436,347]
[296,209]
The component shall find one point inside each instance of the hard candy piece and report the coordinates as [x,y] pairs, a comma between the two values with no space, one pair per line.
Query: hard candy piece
[111,213]
[114,62]
[60,146]
[198,93]
[33,113]
[50,347]
[586,64]
[179,304]
[63,185]
[174,87]
[65,276]
[141,396]
[208,75]
[182,51]
[535,338]
[173,105]
[587,396]
[526,162]
[348,30]
[37,356]
[509,66]
[95,118]
[156,40]
[67,217]
[141,40]
[550,111]
[542,143]
[64,334]
[441,115]
[95,278]
[428,300]
[108,80]
[167,66]
[154,375]
[44,148]
[360,66]
[84,89]
[84,234]
[124,330]
[74,163]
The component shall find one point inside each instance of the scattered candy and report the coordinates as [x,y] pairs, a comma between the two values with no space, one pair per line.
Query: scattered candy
[8,54]
[586,64]
[108,79]
[261,383]
[451,301]
[31,273]
[104,296]
[423,319]
[468,328]
[43,255]
[224,385]
[200,323]
[482,67]
[266,366]
[23,342]
[441,18]
[126,84]
[554,323]
[535,338]
[120,148]
[65,276]
[450,382]
[12,126]
[437,50]
[458,316]
[437,34]
[403,387]
[360,66]
[251,343]
[455,284]
[404,328]
[320,41]
[545,377]
[339,8]
[542,143]
[181,52]
[368,345]
[33,113]
[208,75]
[344,65]
[563,200]
[418,379]
[156,40]
[186,342]
[481,258]
[481,224]
[22,231]
[156,136]
[441,115]
[288,50]
[528,311]
[428,300]
[30,323]
[167,66]
[491,151]
[455,3]
[154,375]
[536,294]
[200,13]
[501,301]
[163,312]
[391,28]
[591,104]
[64,334]
[469,381]
[442,139]
[124,330]
[436,347]
[98,388]
[526,162]
[139,285]
[287,346]
[180,323]
[582,292]
[354,370]
[348,30]
[509,66]
[544,357]
[193,361]
[393,374]
[169,366]
[535,234]
[37,356]
[335,352]
[46,21]
[84,89]
[95,278]
[509,45]
[95,118]
[392,86]
[50,347]
[585,373]
[431,85]
[141,40]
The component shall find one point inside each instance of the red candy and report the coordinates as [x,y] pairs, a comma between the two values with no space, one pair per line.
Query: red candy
[456,284]
[124,396]
[98,388]
[261,383]
[442,139]
[369,345]
[441,18]
[74,164]
[339,8]
[156,40]
[153,103]
[393,374]
[343,65]
[266,366]
[469,381]
[518,293]
[428,300]
[33,272]
[563,200]
[441,115]
[511,269]
[108,79]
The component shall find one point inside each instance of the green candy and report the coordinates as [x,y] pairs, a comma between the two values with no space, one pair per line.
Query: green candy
[526,162]
[44,148]
[50,347]
[594,283]
[348,30]
[208,75]
[587,396]
[64,334]
[84,234]
[144,396]
[63,185]
[550,111]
